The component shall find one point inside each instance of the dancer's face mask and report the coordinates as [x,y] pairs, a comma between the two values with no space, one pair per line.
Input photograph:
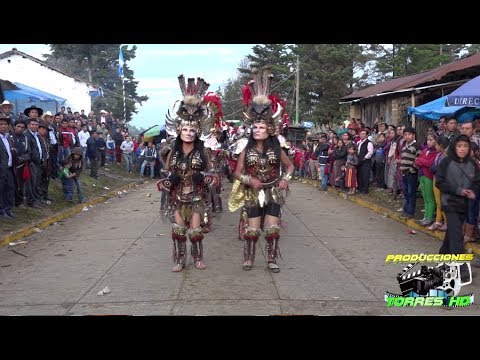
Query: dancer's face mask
[260,131]
[188,134]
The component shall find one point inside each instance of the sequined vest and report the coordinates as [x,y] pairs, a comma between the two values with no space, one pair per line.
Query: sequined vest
[265,168]
[185,169]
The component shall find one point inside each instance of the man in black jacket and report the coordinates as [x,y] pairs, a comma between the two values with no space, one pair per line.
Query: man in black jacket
[7,184]
[321,153]
[21,158]
[93,154]
[33,195]
[118,138]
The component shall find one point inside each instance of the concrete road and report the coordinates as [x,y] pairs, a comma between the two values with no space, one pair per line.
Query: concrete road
[333,264]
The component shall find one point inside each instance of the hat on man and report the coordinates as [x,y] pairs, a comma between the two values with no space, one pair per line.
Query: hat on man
[33,107]
[103,112]
[47,113]
[44,125]
[3,117]
[6,102]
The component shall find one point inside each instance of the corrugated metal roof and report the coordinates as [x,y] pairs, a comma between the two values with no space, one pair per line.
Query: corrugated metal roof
[417,79]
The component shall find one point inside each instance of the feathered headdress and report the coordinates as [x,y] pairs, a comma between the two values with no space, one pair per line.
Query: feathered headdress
[261,105]
[195,109]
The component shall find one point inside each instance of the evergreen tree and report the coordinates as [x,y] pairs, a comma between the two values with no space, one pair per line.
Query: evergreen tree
[98,64]
[281,58]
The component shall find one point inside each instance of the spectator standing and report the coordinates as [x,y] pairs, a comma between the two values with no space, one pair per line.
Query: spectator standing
[380,159]
[66,177]
[45,164]
[440,218]
[458,178]
[365,153]
[424,163]
[410,152]
[118,139]
[76,158]
[351,169]
[83,136]
[33,195]
[93,154]
[7,182]
[149,154]
[65,139]
[21,157]
[6,109]
[102,148]
[127,151]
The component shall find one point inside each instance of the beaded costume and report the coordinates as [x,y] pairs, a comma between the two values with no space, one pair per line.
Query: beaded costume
[190,177]
[266,166]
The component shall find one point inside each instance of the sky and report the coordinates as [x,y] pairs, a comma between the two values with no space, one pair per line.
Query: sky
[157,66]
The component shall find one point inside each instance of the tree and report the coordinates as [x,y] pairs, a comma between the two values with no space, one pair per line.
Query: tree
[98,64]
[281,59]
[327,73]
[397,60]
[231,94]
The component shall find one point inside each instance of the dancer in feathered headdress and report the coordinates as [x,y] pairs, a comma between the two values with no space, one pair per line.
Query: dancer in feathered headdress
[258,173]
[190,170]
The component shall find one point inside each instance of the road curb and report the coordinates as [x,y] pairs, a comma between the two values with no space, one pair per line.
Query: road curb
[44,223]
[471,247]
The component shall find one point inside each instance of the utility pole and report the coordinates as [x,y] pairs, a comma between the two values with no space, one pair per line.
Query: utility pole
[297,90]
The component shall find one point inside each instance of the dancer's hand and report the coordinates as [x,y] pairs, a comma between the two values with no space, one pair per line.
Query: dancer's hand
[283,184]
[255,183]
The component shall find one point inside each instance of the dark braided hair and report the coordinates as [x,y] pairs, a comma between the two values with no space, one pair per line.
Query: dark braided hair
[271,142]
[197,145]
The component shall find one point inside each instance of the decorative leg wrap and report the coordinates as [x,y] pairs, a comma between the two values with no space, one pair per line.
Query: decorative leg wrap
[250,241]
[179,244]
[196,237]
[272,235]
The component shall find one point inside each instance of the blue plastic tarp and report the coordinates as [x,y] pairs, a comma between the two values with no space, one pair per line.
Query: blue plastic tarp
[436,109]
[26,91]
[307,124]
[466,95]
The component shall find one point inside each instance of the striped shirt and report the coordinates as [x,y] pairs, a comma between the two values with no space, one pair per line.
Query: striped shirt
[407,161]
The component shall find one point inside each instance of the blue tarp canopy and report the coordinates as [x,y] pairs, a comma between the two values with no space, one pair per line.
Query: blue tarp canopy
[466,95]
[307,124]
[436,109]
[25,91]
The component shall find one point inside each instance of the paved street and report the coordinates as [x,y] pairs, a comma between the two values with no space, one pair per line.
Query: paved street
[333,264]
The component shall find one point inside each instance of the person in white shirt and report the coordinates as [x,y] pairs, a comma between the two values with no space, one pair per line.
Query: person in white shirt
[83,136]
[365,153]
[127,150]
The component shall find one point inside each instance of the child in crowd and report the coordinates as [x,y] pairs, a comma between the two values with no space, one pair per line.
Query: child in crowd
[440,218]
[423,163]
[66,178]
[76,158]
[111,148]
[351,169]
[380,159]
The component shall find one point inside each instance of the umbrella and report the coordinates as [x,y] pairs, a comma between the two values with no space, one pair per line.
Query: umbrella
[150,134]
[466,95]
[436,109]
